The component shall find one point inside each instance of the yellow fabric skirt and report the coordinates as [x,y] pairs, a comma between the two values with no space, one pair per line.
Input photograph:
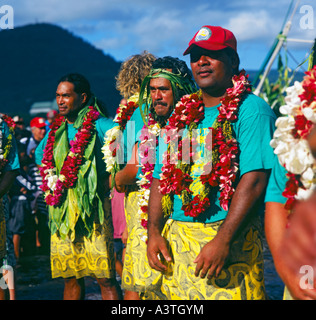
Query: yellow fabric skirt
[136,270]
[241,279]
[2,232]
[84,256]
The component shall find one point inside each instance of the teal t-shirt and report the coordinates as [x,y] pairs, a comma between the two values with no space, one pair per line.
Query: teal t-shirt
[102,126]
[13,157]
[276,184]
[132,133]
[253,130]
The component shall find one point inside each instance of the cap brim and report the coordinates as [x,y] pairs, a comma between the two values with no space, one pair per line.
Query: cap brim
[207,46]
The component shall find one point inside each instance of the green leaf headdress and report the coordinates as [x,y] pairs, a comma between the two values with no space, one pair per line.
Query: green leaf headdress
[181,85]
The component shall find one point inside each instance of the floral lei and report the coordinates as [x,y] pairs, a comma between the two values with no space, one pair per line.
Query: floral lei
[147,151]
[289,139]
[4,152]
[112,139]
[53,185]
[175,176]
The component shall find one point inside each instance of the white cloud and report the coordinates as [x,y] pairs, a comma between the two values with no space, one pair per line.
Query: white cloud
[253,26]
[125,27]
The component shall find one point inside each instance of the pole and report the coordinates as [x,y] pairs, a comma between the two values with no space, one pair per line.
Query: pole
[278,47]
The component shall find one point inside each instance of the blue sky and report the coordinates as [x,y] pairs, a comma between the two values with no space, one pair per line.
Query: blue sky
[164,27]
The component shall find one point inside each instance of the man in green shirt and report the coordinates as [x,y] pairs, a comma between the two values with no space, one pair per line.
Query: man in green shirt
[211,248]
[75,184]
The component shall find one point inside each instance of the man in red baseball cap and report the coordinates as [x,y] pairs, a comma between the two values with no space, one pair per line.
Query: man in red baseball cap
[211,243]
[38,129]
[213,38]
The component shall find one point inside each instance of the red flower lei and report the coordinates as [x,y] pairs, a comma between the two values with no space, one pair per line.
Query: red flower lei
[176,178]
[68,175]
[123,114]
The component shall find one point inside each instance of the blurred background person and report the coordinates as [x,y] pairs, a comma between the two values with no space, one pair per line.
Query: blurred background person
[50,118]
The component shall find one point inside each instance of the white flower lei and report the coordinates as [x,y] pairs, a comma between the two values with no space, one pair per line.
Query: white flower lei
[112,134]
[294,153]
[148,145]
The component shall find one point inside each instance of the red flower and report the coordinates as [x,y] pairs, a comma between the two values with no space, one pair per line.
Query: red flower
[71,165]
[190,110]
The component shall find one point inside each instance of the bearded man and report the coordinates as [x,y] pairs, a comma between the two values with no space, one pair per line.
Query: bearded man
[168,80]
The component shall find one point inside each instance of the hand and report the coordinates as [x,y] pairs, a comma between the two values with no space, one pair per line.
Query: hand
[211,259]
[119,188]
[23,190]
[157,251]
[298,249]
[293,283]
[125,235]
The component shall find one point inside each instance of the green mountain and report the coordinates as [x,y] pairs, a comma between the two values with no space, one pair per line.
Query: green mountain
[33,59]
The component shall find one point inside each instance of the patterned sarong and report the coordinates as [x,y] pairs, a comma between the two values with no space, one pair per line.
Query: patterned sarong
[136,271]
[85,257]
[241,279]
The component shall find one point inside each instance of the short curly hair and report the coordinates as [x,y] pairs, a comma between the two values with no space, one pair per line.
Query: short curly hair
[132,73]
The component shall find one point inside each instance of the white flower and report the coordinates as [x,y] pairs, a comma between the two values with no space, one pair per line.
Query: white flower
[51,178]
[110,135]
[294,153]
[310,114]
[303,194]
[51,182]
[308,176]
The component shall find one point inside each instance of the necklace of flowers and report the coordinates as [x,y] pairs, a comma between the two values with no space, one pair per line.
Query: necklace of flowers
[289,139]
[221,171]
[53,185]
[112,139]
[147,152]
[4,152]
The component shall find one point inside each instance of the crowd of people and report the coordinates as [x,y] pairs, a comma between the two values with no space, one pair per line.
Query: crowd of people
[170,193]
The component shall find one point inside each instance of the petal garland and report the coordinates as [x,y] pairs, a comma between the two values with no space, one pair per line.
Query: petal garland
[54,186]
[289,139]
[112,141]
[175,176]
[4,151]
[147,152]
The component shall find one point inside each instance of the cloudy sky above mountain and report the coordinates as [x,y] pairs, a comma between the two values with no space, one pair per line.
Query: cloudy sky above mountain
[164,27]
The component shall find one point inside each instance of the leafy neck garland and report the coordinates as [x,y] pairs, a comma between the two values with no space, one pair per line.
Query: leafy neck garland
[289,139]
[112,141]
[54,186]
[5,150]
[175,176]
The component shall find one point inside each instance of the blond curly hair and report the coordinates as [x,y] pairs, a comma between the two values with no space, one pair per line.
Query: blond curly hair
[132,73]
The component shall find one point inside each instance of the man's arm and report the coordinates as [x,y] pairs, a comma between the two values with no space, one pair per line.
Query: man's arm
[127,176]
[214,254]
[157,245]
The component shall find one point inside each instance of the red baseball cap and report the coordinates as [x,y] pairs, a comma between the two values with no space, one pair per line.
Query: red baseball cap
[212,38]
[37,122]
